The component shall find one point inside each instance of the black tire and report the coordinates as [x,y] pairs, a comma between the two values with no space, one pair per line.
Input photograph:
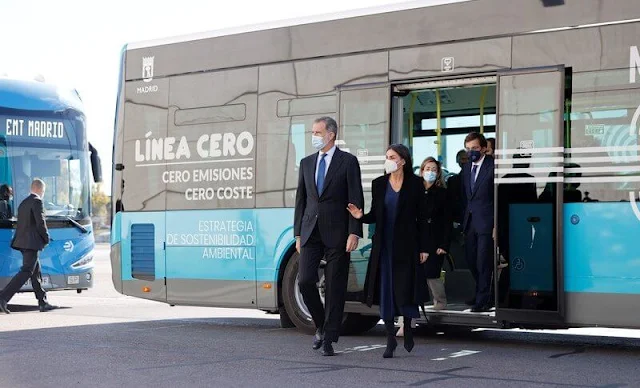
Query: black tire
[297,313]
[285,320]
[292,306]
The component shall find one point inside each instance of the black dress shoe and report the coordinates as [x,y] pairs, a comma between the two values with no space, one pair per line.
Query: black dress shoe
[3,307]
[318,339]
[47,307]
[327,349]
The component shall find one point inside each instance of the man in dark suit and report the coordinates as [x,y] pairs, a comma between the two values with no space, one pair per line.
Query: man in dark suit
[454,187]
[329,180]
[478,222]
[30,238]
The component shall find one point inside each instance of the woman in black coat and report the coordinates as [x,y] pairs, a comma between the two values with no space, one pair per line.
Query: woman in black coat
[395,278]
[439,227]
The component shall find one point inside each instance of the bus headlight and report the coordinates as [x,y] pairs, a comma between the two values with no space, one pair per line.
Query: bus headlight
[84,261]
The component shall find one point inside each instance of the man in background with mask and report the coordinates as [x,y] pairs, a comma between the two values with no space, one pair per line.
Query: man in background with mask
[454,187]
[477,217]
[328,181]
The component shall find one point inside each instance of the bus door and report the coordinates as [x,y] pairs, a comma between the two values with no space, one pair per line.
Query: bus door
[433,117]
[364,132]
[529,196]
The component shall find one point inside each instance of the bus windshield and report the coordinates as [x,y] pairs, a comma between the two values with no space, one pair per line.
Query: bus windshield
[48,149]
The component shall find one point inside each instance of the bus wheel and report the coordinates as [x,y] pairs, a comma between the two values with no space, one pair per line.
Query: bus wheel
[292,298]
[298,313]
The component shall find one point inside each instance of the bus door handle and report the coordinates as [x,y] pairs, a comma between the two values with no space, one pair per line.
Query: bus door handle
[533,220]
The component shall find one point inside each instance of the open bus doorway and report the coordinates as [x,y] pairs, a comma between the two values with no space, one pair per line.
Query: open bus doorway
[433,119]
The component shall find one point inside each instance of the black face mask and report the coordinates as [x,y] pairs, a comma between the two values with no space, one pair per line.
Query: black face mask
[474,155]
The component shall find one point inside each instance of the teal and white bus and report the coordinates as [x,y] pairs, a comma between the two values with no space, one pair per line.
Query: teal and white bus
[210,130]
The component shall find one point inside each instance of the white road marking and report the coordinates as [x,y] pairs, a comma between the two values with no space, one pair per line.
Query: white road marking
[462,353]
[363,348]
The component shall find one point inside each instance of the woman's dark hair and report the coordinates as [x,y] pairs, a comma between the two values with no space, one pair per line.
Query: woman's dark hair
[404,153]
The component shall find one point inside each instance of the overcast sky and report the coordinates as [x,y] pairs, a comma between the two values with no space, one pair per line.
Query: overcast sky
[78,42]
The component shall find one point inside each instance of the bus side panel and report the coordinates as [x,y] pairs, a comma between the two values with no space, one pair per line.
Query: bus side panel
[115,253]
[274,241]
[211,257]
[602,264]
[227,258]
[143,256]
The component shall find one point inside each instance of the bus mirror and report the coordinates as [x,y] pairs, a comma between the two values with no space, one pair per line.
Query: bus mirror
[96,166]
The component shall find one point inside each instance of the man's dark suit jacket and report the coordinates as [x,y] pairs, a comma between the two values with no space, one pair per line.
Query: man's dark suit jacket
[342,185]
[32,232]
[478,205]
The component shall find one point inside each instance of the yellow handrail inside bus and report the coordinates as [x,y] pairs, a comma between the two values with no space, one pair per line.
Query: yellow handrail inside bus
[483,97]
[438,126]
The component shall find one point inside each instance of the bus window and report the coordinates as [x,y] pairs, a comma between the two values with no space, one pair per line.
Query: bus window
[603,144]
[284,142]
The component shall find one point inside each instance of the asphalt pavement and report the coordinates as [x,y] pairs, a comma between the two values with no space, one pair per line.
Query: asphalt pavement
[102,339]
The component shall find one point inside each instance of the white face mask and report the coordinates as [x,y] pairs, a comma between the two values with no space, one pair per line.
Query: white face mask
[390,166]
[318,142]
[430,176]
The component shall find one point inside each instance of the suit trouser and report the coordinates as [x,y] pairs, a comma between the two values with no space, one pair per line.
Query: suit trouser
[30,270]
[438,294]
[479,254]
[329,318]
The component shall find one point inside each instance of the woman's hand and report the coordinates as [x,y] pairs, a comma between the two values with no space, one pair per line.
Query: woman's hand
[441,251]
[423,257]
[355,212]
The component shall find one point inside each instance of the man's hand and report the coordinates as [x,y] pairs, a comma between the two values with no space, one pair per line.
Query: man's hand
[423,257]
[298,244]
[352,243]
[441,251]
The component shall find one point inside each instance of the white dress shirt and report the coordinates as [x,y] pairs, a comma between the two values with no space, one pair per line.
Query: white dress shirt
[479,164]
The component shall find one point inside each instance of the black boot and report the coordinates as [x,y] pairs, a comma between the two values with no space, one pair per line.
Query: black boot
[408,335]
[391,339]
